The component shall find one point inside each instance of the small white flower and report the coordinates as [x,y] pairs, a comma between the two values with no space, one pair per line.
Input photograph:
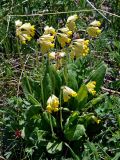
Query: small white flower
[52,55]
[72,18]
[95,23]
[18,23]
[68,93]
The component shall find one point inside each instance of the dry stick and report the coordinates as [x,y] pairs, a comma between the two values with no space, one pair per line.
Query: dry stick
[53,13]
[98,11]
[42,13]
[18,88]
[110,90]
[112,14]
[2,158]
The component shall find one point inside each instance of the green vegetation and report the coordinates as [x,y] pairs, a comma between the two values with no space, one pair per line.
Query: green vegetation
[60,86]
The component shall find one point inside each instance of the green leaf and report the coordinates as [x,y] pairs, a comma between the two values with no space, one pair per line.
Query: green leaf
[73,132]
[98,75]
[47,86]
[31,111]
[115,85]
[29,151]
[93,149]
[54,147]
[117,156]
[95,101]
[46,119]
[73,153]
[41,134]
[98,99]
[8,154]
[71,80]
[32,100]
[82,95]
[71,119]
[30,87]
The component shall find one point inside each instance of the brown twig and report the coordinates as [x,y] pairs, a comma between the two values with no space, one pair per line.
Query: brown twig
[110,91]
[56,13]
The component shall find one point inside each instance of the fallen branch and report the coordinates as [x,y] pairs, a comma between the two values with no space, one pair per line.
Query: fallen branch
[110,91]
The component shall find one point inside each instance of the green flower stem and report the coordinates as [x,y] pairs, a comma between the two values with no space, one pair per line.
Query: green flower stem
[53,134]
[61,111]
[37,56]
[65,73]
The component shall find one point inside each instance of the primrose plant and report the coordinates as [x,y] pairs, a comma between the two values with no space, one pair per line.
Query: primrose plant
[60,105]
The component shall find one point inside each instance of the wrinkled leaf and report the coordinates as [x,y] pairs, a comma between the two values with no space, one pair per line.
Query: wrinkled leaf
[82,95]
[74,132]
[98,75]
[54,147]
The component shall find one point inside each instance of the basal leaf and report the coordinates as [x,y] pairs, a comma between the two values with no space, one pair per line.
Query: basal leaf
[54,147]
[74,132]
[98,75]
[82,95]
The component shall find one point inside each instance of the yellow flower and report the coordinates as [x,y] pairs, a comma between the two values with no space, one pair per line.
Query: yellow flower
[80,48]
[68,93]
[28,29]
[71,22]
[49,109]
[96,119]
[91,87]
[63,39]
[93,31]
[72,18]
[46,42]
[61,54]
[95,23]
[24,37]
[66,31]
[52,104]
[52,55]
[49,30]
[25,31]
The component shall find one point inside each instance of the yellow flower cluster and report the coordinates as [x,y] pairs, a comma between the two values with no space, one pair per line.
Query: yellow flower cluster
[52,104]
[68,93]
[49,30]
[94,30]
[64,36]
[79,48]
[91,87]
[71,22]
[53,101]
[24,31]
[46,42]
[63,39]
[66,31]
